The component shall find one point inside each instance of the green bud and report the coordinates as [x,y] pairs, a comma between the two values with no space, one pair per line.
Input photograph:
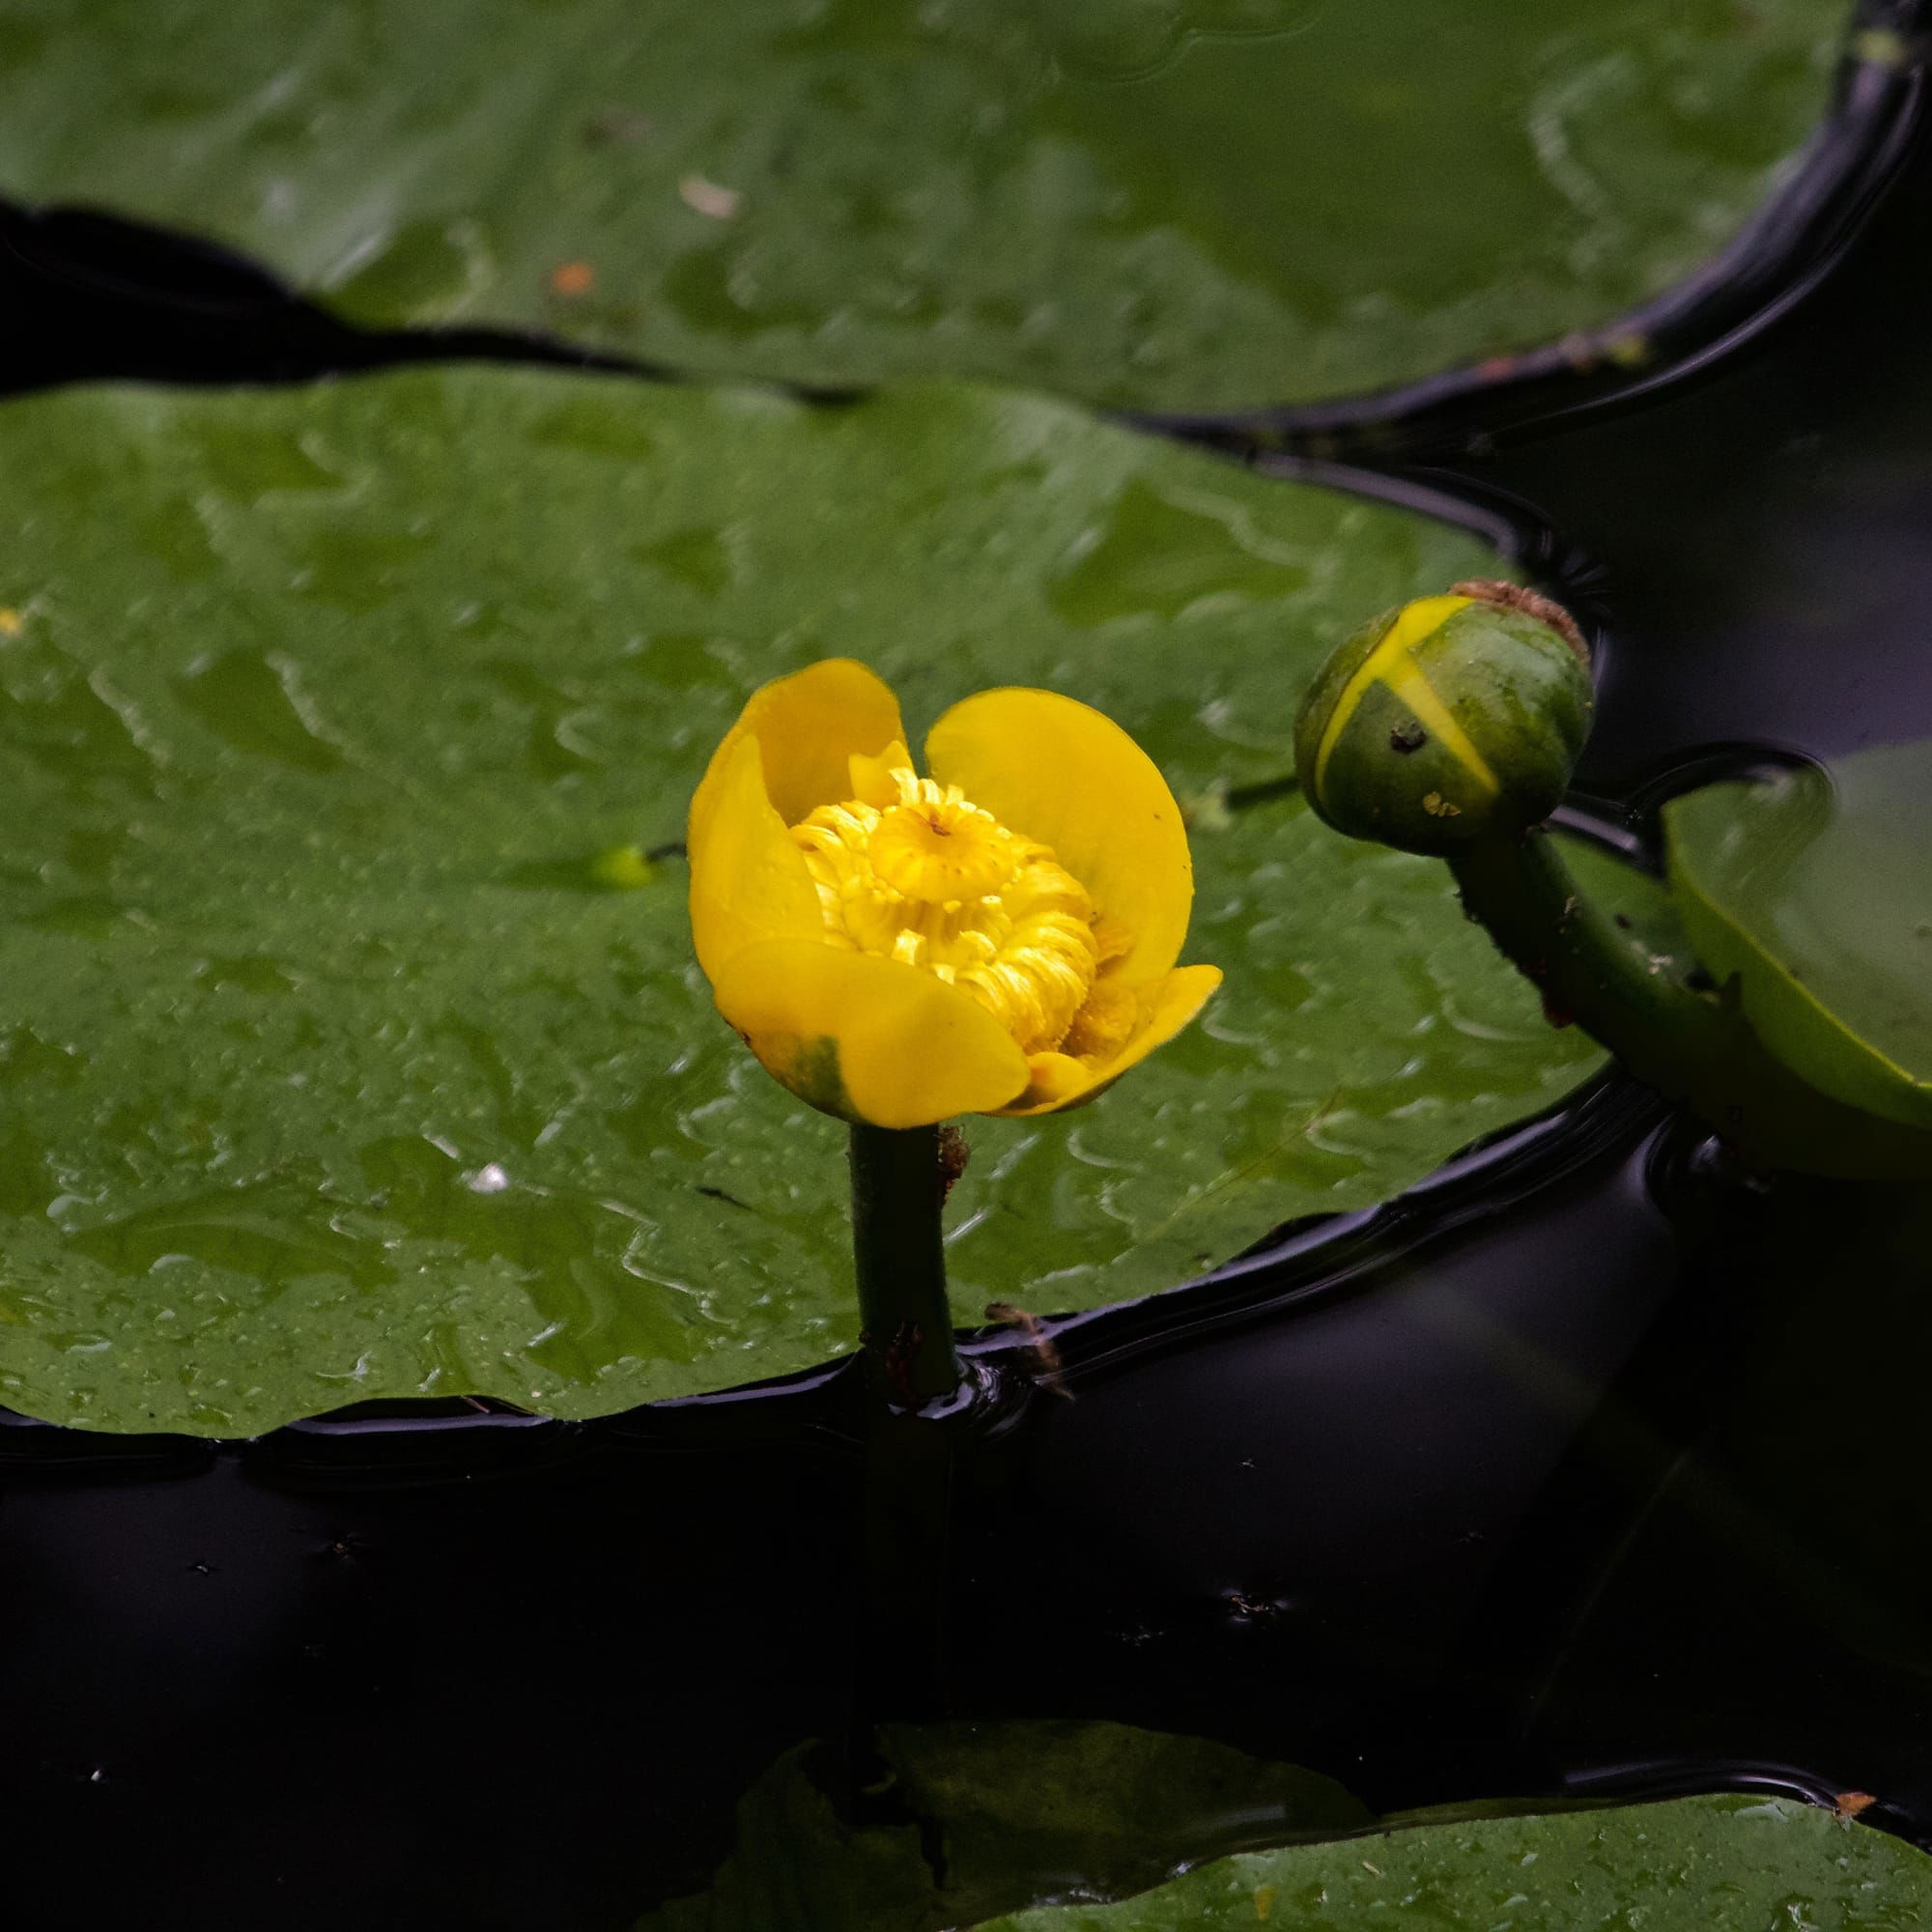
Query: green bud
[1447,719]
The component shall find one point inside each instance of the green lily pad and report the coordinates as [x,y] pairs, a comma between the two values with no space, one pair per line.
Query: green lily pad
[350,1043]
[1717,1865]
[1188,204]
[1813,891]
[978,1818]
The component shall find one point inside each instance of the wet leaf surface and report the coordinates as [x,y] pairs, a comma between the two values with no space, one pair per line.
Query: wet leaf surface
[1171,203]
[352,1044]
[1720,1865]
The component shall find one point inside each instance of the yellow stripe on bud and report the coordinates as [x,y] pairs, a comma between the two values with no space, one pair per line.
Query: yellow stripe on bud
[1390,661]
[1411,685]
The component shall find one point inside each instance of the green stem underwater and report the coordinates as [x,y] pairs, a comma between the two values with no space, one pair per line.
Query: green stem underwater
[899,1259]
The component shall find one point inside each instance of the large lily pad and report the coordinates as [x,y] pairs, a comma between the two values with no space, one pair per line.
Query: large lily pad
[1813,892]
[1718,1864]
[1176,203]
[337,1057]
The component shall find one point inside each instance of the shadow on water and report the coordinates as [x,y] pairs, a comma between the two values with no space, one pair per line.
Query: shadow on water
[1594,1468]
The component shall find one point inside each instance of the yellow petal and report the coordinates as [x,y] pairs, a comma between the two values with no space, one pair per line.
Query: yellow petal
[748,880]
[865,1038]
[1053,769]
[1056,1080]
[811,724]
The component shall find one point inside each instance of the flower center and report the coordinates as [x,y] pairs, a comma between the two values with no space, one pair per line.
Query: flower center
[936,848]
[928,878]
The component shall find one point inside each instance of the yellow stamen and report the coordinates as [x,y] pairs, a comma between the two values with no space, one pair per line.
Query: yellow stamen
[914,871]
[1104,1024]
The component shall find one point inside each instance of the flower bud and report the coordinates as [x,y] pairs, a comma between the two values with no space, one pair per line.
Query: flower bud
[1446,720]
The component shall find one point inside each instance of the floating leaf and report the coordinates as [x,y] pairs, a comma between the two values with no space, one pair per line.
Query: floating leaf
[979,1818]
[1814,892]
[985,1817]
[340,1059]
[1172,203]
[1021,1802]
[1720,1865]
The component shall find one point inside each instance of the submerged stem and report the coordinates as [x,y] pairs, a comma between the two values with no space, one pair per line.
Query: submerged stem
[905,1319]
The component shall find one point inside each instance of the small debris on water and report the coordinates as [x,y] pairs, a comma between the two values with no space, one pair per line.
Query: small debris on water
[1039,1343]
[488,1180]
[12,623]
[573,279]
[1850,1804]
[1250,1609]
[707,197]
[1408,738]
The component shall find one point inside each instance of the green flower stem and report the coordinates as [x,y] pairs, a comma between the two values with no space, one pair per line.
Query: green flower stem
[1586,967]
[904,1317]
[1692,1045]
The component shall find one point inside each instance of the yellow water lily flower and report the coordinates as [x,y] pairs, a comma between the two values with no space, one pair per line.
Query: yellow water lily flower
[998,938]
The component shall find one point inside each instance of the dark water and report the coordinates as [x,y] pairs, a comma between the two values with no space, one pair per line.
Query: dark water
[1595,1465]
